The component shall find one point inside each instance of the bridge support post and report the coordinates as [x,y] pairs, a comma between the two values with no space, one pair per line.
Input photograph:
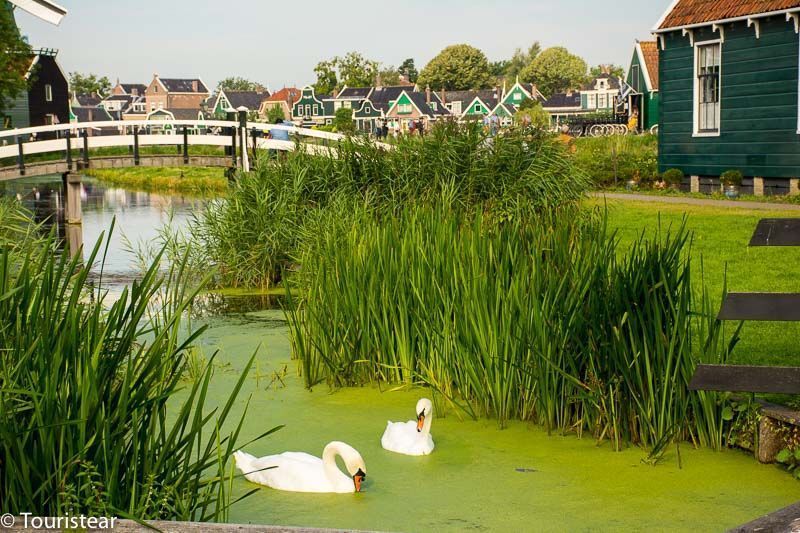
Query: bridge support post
[136,146]
[69,150]
[233,148]
[85,135]
[21,156]
[185,146]
[73,212]
[254,134]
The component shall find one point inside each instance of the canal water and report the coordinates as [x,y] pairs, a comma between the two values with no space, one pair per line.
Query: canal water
[479,478]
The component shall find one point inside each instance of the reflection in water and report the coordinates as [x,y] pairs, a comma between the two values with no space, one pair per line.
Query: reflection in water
[139,216]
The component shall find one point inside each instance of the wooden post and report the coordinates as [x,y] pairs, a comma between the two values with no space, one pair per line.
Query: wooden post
[85,134]
[185,146]
[69,150]
[233,148]
[254,134]
[73,213]
[136,146]
[21,157]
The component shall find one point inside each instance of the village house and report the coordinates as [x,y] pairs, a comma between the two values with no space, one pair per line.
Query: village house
[513,98]
[173,93]
[283,99]
[414,106]
[728,74]
[128,89]
[643,96]
[373,109]
[224,102]
[312,110]
[46,100]
[470,105]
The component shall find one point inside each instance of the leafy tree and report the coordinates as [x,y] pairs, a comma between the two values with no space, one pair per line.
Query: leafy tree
[532,113]
[457,67]
[236,83]
[555,70]
[521,59]
[389,77]
[614,70]
[89,83]
[498,68]
[327,79]
[15,58]
[343,120]
[275,113]
[409,70]
[353,70]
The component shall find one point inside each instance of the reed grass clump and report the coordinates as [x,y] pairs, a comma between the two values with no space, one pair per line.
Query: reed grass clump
[96,417]
[254,234]
[540,318]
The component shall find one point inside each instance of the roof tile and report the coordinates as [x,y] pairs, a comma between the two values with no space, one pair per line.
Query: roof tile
[687,12]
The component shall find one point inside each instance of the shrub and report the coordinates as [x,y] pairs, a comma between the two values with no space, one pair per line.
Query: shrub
[343,120]
[616,159]
[732,178]
[673,176]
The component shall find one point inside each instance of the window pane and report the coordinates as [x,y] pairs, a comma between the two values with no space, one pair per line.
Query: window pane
[708,80]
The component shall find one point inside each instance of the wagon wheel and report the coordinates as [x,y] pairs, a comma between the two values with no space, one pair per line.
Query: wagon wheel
[654,130]
[597,130]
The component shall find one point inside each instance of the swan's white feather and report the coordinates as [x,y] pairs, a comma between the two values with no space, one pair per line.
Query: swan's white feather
[291,471]
[403,437]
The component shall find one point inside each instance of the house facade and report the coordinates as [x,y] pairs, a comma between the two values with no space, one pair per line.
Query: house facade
[414,106]
[224,102]
[175,93]
[46,101]
[283,99]
[728,76]
[642,79]
[312,110]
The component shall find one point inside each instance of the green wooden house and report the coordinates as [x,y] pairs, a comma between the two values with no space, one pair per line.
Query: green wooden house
[729,91]
[642,79]
[312,110]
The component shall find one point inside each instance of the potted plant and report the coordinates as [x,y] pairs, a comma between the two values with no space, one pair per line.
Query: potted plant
[673,178]
[731,180]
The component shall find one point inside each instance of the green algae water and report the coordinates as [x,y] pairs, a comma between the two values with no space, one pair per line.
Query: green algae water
[479,478]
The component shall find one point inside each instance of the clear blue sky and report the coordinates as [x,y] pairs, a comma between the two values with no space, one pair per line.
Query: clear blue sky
[278,42]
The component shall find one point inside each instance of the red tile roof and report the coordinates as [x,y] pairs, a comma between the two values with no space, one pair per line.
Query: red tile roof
[285,94]
[688,12]
[650,53]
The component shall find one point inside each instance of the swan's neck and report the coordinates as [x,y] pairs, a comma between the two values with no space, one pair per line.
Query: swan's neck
[426,425]
[332,472]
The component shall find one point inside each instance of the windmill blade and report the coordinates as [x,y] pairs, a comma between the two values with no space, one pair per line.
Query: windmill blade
[44,9]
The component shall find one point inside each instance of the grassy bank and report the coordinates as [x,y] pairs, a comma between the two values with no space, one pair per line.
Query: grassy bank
[612,161]
[189,180]
[720,239]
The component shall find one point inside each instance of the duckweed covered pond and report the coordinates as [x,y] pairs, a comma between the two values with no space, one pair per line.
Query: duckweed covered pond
[479,478]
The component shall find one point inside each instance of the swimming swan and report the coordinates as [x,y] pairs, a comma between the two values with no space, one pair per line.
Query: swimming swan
[301,472]
[411,438]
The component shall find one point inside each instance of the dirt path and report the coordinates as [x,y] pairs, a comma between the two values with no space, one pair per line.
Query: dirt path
[731,204]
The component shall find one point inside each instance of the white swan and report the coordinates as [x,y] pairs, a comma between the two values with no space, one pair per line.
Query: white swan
[301,472]
[411,438]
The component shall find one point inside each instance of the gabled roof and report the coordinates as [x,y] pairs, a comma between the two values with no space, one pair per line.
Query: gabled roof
[129,88]
[44,9]
[91,114]
[287,94]
[563,100]
[87,100]
[354,93]
[249,99]
[381,96]
[467,97]
[179,85]
[420,101]
[684,13]
[648,58]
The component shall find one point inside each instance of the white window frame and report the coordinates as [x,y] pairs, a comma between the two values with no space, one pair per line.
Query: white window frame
[48,93]
[696,91]
[517,96]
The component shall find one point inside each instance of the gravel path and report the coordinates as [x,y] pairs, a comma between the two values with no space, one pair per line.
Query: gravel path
[731,204]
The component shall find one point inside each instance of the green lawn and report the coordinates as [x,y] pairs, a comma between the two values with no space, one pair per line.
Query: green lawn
[721,237]
[189,180]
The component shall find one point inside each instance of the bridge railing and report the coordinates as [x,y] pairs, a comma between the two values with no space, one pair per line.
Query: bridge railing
[85,136]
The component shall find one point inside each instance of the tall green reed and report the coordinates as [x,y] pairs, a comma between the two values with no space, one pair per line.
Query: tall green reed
[94,417]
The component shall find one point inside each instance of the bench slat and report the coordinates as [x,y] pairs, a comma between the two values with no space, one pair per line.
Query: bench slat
[763,307]
[755,379]
[777,232]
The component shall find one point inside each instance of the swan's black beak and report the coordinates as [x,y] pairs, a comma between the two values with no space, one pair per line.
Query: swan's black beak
[420,421]
[358,479]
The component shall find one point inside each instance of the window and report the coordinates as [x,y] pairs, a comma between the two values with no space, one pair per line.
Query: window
[456,108]
[433,105]
[48,93]
[478,108]
[316,109]
[592,101]
[602,101]
[308,110]
[405,109]
[367,110]
[708,62]
[517,96]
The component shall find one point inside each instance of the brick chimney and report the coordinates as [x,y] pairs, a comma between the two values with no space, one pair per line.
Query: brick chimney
[428,94]
[195,86]
[444,96]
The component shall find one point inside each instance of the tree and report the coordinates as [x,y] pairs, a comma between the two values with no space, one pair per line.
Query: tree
[615,71]
[499,68]
[89,84]
[532,113]
[555,70]
[389,77]
[343,120]
[457,67]
[409,70]
[353,70]
[521,59]
[15,58]
[236,83]
[275,113]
